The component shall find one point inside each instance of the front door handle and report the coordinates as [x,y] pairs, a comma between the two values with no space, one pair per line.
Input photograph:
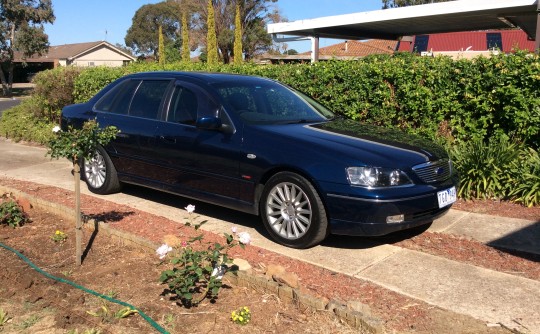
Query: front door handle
[168,139]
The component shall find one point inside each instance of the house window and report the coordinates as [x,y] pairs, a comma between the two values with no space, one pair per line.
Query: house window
[494,41]
[421,43]
[91,64]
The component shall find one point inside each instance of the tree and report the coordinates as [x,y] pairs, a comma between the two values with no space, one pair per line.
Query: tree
[161,47]
[211,38]
[291,52]
[21,30]
[237,36]
[75,144]
[404,3]
[142,37]
[185,38]
[254,15]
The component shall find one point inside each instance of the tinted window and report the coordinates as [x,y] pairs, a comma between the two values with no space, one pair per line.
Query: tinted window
[118,99]
[184,106]
[269,102]
[148,98]
[421,43]
[494,41]
[239,98]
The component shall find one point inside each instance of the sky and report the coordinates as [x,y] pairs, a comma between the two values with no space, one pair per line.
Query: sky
[79,21]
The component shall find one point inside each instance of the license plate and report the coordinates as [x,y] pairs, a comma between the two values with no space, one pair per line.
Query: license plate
[446,197]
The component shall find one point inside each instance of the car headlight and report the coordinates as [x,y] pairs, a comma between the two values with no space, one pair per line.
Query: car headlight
[375,177]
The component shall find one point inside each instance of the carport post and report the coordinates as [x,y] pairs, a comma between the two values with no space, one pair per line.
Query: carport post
[314,49]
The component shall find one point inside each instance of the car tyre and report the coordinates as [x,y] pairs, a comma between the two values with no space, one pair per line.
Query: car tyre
[293,212]
[100,174]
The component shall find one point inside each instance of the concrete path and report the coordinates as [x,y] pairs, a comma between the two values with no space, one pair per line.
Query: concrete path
[491,296]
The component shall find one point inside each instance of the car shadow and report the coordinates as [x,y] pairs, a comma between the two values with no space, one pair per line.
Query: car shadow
[209,210]
[251,221]
[524,243]
[353,242]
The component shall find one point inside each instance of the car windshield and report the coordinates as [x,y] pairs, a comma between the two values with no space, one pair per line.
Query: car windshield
[267,102]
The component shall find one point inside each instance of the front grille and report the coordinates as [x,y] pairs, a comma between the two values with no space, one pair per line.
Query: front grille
[434,171]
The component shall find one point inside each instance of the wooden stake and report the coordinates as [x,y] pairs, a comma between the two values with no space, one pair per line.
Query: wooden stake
[78,224]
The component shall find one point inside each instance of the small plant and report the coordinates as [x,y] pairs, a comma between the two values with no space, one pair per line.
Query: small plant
[108,315]
[31,321]
[111,294]
[67,273]
[168,320]
[88,331]
[241,316]
[4,318]
[11,213]
[59,237]
[197,266]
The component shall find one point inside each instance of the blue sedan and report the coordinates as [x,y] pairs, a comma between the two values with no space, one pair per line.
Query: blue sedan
[258,146]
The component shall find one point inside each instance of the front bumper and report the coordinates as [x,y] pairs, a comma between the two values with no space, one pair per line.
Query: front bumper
[360,216]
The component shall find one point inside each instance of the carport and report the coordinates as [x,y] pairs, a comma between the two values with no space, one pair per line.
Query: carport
[395,23]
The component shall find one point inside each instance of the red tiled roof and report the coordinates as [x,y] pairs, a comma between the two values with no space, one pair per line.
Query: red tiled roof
[473,41]
[357,48]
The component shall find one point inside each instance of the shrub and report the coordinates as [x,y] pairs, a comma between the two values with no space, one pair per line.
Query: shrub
[486,170]
[22,123]
[92,80]
[527,188]
[11,213]
[197,265]
[54,90]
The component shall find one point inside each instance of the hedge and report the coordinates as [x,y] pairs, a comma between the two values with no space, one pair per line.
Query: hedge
[435,97]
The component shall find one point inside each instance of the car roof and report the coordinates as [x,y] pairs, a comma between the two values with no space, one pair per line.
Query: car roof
[208,77]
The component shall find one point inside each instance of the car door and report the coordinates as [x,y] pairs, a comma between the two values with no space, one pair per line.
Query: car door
[135,109]
[201,163]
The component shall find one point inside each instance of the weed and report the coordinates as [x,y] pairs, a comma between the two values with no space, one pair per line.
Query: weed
[31,321]
[168,320]
[4,318]
[108,315]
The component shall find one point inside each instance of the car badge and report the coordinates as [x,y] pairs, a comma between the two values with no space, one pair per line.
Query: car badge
[251,156]
[439,171]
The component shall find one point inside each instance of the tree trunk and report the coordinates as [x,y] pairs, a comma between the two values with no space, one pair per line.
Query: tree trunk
[78,223]
[5,86]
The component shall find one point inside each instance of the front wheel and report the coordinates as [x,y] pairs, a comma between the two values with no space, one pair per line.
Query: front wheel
[99,173]
[292,211]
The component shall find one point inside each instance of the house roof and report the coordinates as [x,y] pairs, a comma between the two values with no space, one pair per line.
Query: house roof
[473,41]
[461,15]
[357,48]
[70,51]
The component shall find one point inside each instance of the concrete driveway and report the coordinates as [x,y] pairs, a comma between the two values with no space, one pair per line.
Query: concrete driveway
[484,294]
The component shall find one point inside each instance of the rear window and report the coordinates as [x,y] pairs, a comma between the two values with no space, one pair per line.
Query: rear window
[148,97]
[117,100]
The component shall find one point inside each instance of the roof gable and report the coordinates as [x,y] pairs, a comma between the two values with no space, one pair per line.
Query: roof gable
[71,51]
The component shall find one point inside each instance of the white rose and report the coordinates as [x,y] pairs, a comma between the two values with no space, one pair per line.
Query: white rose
[190,208]
[163,250]
[244,238]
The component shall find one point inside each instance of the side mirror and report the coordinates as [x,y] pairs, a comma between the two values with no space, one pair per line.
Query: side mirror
[209,123]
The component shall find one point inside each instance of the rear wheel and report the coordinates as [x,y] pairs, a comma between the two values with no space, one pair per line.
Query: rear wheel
[293,212]
[99,173]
